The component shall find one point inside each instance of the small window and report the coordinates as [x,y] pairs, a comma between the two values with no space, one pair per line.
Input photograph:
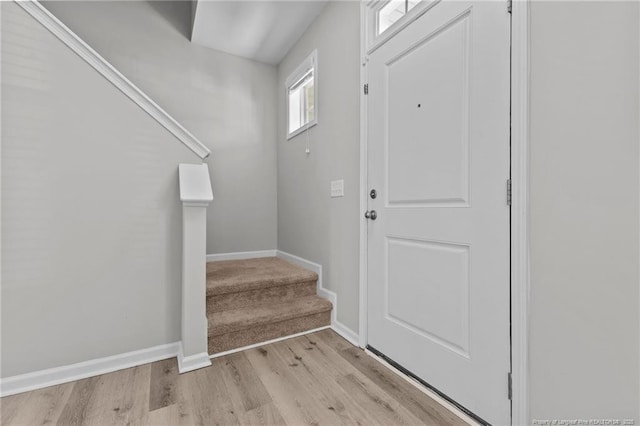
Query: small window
[392,11]
[302,99]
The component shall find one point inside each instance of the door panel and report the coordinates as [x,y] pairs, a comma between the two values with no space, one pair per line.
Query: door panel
[437,310]
[438,156]
[428,161]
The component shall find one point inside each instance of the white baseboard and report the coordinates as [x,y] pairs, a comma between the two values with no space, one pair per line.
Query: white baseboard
[268,342]
[192,362]
[303,263]
[331,297]
[351,336]
[69,373]
[336,325]
[241,255]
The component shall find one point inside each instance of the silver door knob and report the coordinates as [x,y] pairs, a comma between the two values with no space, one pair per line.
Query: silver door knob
[371,215]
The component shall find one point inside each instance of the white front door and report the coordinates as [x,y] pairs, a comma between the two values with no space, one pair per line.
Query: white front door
[438,157]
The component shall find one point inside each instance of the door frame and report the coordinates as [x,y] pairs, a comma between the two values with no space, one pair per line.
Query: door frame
[520,276]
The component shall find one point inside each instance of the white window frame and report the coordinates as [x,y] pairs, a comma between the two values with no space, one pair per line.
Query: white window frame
[309,62]
[373,7]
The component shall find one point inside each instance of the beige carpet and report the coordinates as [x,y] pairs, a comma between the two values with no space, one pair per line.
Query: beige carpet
[255,300]
[231,276]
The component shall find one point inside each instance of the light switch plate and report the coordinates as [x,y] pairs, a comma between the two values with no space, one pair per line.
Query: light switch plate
[337,188]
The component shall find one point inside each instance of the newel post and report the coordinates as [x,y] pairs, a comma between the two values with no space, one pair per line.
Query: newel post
[195,194]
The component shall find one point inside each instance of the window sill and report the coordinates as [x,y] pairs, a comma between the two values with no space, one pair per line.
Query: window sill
[301,129]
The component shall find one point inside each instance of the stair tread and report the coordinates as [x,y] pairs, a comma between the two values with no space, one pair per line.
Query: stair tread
[243,318]
[231,276]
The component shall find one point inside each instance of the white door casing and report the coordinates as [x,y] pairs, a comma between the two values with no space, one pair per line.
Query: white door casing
[438,156]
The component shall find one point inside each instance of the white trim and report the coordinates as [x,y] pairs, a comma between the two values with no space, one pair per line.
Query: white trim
[348,334]
[195,185]
[331,297]
[336,325]
[311,266]
[69,373]
[192,362]
[267,342]
[241,255]
[310,62]
[520,211]
[195,194]
[303,263]
[364,197]
[68,37]
[373,40]
[302,128]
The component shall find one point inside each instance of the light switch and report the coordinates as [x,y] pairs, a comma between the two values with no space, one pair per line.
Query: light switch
[337,188]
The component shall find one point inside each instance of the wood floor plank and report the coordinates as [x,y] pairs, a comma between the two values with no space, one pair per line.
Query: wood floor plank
[318,371]
[162,384]
[10,406]
[47,403]
[170,415]
[297,404]
[384,408]
[317,379]
[133,404]
[332,339]
[290,408]
[267,414]
[417,402]
[420,404]
[120,397]
[203,397]
[245,388]
[319,386]
[366,396]
[75,410]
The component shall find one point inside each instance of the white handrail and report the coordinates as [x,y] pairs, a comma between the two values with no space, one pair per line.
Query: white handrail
[68,37]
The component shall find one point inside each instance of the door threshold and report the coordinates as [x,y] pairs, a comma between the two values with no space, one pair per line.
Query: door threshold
[442,399]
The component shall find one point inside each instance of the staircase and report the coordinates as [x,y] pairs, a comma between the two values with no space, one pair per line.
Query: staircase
[254,300]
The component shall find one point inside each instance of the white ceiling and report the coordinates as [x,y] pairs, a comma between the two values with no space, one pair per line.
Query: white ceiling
[260,30]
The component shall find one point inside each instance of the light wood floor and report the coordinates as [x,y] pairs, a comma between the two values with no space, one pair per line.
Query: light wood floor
[317,379]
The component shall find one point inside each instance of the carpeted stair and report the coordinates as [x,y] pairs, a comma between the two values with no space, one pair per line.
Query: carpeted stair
[255,300]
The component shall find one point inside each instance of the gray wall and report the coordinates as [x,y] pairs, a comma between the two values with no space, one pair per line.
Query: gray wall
[91,219]
[584,218]
[226,101]
[310,223]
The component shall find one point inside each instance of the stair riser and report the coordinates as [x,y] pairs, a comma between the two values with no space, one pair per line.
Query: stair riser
[265,332]
[243,299]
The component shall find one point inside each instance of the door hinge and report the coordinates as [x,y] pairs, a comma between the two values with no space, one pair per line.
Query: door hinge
[366,89]
[509,386]
[509,5]
[509,192]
